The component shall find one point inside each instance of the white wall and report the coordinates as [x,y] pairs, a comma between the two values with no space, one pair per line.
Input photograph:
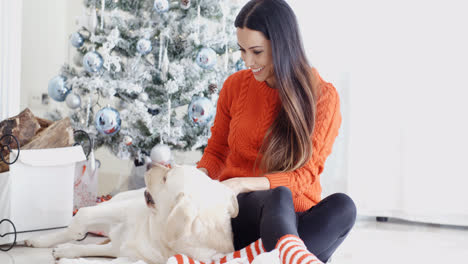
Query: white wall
[10,57]
[408,132]
[45,47]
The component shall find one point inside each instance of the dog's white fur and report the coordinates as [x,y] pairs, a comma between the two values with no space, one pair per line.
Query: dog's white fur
[191,215]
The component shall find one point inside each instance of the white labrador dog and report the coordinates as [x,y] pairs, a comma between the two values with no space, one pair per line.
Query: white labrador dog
[181,211]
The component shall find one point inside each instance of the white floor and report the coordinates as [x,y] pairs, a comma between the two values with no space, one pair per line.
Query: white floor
[393,242]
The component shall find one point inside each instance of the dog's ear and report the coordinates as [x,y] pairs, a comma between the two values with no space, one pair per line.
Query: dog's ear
[180,219]
[233,206]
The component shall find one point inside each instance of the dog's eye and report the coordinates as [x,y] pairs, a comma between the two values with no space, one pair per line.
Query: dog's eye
[164,179]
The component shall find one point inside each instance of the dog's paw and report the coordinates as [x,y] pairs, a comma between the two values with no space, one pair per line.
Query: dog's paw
[37,242]
[67,250]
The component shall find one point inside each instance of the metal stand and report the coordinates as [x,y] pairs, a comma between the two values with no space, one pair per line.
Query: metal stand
[8,138]
[14,233]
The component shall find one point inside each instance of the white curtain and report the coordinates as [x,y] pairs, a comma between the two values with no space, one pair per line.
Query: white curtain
[10,57]
[400,68]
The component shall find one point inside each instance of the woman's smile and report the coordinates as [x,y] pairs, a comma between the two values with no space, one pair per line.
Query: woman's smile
[257,71]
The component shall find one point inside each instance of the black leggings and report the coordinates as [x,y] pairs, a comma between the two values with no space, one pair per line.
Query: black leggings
[270,214]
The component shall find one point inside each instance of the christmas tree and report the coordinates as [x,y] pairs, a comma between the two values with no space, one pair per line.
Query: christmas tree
[147,72]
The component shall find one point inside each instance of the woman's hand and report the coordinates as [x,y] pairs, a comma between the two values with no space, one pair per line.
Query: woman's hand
[247,184]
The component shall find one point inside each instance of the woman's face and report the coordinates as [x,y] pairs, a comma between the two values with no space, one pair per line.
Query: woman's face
[256,53]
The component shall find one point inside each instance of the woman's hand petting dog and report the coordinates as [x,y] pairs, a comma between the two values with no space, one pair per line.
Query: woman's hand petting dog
[247,184]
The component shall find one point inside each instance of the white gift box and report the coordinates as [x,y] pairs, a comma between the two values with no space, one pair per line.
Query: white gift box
[37,192]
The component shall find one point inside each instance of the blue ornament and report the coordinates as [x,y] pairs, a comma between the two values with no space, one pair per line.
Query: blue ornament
[206,58]
[144,46]
[77,40]
[240,65]
[92,61]
[161,6]
[108,121]
[201,111]
[58,89]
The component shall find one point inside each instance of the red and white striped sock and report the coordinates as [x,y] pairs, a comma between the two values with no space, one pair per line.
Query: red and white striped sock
[293,251]
[248,253]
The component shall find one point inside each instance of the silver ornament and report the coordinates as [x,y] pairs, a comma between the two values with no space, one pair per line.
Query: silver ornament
[206,58]
[92,61]
[144,46]
[73,101]
[161,6]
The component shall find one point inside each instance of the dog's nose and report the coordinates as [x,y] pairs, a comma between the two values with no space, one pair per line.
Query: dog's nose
[149,199]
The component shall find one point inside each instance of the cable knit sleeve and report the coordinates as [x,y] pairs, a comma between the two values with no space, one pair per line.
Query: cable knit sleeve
[217,149]
[327,124]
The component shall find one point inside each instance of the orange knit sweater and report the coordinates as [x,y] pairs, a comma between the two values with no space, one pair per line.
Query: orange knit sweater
[246,109]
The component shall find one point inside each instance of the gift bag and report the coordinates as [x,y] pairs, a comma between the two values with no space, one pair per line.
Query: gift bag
[86,183]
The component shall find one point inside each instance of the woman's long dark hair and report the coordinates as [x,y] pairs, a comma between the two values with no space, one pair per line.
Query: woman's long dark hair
[287,145]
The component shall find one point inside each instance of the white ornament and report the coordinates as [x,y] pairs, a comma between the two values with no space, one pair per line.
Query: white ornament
[161,154]
[127,140]
[143,97]
[73,101]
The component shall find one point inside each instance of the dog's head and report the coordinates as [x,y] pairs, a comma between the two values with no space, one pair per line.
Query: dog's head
[192,205]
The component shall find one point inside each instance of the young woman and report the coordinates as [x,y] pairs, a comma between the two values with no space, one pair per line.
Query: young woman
[274,128]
